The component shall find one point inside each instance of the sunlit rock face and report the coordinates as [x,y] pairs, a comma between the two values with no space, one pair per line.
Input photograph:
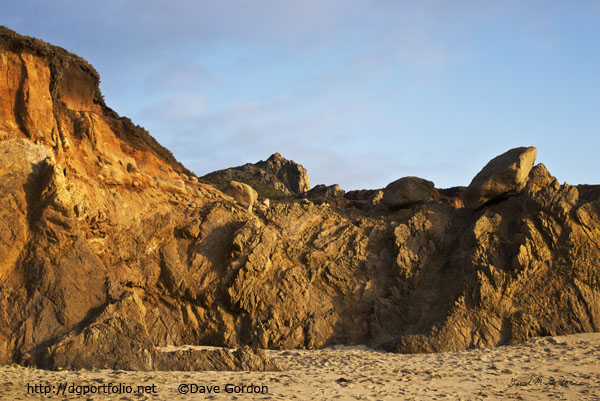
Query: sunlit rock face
[504,175]
[109,248]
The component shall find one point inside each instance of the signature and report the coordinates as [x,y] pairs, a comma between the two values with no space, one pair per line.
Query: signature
[548,381]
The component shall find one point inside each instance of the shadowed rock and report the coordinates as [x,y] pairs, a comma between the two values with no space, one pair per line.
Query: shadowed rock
[290,173]
[407,191]
[324,191]
[276,177]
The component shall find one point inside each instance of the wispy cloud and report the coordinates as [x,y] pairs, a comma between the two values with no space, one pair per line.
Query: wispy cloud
[379,89]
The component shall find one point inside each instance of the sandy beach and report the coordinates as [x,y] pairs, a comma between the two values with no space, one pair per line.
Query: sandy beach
[552,368]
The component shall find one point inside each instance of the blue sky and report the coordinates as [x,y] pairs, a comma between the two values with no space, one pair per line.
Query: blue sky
[359,92]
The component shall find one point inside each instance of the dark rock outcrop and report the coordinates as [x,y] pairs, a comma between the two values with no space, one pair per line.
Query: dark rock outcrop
[275,178]
[290,173]
[326,191]
[110,250]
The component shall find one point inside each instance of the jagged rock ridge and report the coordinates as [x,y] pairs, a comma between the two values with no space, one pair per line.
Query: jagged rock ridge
[275,177]
[110,249]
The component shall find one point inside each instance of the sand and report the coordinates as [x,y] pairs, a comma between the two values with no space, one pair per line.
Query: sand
[548,368]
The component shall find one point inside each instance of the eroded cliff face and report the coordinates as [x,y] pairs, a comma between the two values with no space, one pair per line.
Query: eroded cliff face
[109,249]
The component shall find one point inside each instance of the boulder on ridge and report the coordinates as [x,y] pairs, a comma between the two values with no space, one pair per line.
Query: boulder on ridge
[407,191]
[504,175]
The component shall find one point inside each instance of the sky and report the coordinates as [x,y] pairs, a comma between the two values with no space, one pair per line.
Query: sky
[359,92]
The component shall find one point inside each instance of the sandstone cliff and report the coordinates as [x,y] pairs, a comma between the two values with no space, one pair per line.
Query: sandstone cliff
[109,248]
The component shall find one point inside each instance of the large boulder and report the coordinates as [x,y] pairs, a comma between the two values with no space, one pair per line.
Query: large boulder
[243,193]
[407,191]
[504,175]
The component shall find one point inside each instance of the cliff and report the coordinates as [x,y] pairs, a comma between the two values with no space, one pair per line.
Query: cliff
[109,248]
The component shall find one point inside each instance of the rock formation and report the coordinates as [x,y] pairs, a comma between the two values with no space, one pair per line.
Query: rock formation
[290,173]
[324,191]
[276,177]
[110,249]
[242,193]
[407,191]
[503,175]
